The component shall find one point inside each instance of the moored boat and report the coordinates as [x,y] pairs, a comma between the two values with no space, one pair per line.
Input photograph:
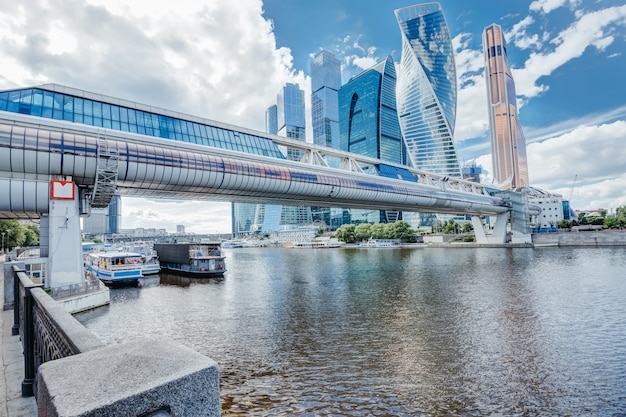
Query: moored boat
[115,267]
[194,259]
[149,259]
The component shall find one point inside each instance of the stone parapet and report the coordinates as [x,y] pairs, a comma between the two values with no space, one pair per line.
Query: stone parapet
[153,376]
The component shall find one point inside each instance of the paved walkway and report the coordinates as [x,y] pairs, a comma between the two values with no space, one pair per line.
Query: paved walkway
[12,404]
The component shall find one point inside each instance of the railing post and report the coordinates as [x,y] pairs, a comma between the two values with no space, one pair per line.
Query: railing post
[15,330]
[28,330]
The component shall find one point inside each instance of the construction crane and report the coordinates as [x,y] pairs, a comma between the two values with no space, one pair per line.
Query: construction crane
[571,193]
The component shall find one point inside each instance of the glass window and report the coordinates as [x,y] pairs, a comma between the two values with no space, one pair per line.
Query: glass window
[123,115]
[106,111]
[97,109]
[78,106]
[48,99]
[115,113]
[88,107]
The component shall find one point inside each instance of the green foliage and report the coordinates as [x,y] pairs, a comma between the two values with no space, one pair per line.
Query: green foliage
[564,224]
[350,233]
[17,235]
[345,233]
[362,232]
[468,227]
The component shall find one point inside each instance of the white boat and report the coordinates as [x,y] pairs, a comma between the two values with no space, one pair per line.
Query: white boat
[115,267]
[232,244]
[381,243]
[149,257]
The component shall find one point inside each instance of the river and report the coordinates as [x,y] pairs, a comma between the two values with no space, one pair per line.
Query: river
[397,332]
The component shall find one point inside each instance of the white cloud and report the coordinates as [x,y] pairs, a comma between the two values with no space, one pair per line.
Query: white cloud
[546,6]
[217,59]
[214,59]
[197,216]
[594,155]
[592,29]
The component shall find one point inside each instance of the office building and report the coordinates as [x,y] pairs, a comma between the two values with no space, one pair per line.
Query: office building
[368,125]
[271,119]
[325,85]
[368,120]
[508,145]
[290,108]
[426,89]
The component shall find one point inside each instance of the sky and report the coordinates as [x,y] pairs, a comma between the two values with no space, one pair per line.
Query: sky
[226,60]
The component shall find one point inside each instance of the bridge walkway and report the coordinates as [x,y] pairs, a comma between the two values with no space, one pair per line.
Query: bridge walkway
[12,404]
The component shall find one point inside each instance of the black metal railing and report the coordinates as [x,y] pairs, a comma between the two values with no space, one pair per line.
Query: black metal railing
[47,331]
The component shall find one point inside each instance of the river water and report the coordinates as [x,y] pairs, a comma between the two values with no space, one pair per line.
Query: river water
[397,332]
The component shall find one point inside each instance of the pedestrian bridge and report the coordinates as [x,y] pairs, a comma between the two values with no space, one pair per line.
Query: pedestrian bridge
[49,144]
[103,162]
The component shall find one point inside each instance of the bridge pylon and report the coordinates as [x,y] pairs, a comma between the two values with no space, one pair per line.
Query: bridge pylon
[65,260]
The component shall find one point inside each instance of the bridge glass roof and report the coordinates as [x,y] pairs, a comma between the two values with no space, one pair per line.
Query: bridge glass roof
[40,102]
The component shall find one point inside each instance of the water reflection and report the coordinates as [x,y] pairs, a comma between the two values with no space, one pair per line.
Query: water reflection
[398,332]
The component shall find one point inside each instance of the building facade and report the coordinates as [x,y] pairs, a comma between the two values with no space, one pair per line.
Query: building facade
[325,85]
[508,145]
[368,120]
[271,119]
[368,125]
[290,109]
[426,89]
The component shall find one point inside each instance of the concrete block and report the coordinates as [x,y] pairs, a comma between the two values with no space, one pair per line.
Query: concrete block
[131,379]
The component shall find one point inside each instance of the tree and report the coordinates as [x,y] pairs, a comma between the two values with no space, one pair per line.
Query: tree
[14,234]
[32,236]
[403,231]
[345,233]
[380,231]
[468,227]
[564,224]
[363,232]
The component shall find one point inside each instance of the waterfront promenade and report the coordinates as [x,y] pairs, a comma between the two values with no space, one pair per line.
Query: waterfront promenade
[12,404]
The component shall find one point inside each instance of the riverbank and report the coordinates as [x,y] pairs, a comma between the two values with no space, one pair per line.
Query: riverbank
[600,238]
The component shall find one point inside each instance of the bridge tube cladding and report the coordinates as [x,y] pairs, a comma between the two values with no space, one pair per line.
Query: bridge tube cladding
[65,263]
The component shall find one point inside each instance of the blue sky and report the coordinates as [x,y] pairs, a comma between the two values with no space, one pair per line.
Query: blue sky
[226,60]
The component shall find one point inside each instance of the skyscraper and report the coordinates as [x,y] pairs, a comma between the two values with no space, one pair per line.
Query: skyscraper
[290,106]
[368,120]
[508,145]
[368,125]
[325,85]
[271,119]
[426,89]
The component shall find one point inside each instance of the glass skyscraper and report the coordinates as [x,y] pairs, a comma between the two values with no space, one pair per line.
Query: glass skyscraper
[508,145]
[368,120]
[325,85]
[426,89]
[290,107]
[271,119]
[368,125]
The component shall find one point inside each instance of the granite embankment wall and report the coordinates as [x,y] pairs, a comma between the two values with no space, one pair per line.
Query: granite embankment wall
[582,238]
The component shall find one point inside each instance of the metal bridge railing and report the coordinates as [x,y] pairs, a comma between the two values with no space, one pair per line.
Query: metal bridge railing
[47,331]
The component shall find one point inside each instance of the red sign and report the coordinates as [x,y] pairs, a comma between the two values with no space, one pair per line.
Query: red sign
[61,190]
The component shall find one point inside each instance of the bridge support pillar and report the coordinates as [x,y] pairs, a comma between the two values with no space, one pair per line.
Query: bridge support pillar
[498,235]
[65,259]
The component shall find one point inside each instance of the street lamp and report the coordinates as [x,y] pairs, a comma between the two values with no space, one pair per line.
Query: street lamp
[3,233]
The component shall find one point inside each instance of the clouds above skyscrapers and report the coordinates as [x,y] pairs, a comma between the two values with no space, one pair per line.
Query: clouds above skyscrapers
[214,59]
[226,60]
